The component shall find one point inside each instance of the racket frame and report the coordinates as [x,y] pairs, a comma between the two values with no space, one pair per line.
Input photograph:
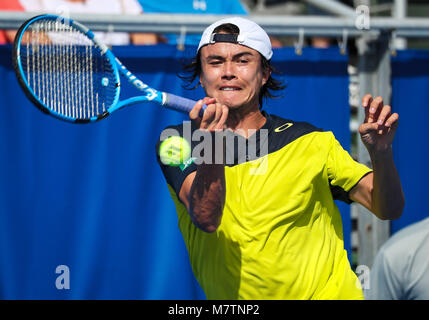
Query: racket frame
[150,94]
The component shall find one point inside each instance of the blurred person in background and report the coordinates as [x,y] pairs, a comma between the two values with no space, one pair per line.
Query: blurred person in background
[63,7]
[7,36]
[401,267]
[233,7]
[192,7]
[319,42]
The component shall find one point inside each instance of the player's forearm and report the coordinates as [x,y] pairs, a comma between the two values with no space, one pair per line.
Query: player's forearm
[387,195]
[207,196]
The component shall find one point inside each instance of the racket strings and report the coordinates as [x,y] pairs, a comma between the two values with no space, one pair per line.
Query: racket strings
[66,71]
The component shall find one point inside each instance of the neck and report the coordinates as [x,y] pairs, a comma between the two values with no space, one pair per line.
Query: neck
[240,120]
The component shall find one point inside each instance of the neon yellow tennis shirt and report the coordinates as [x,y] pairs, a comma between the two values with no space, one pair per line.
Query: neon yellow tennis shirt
[281,233]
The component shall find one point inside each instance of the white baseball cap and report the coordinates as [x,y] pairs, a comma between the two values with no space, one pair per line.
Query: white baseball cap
[251,35]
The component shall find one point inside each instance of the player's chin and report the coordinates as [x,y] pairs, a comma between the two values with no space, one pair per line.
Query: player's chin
[231,102]
[240,104]
[233,107]
[229,98]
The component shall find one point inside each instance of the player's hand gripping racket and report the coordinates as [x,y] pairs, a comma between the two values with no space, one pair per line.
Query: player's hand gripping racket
[67,73]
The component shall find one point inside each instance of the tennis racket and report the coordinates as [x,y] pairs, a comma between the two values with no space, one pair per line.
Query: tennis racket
[69,74]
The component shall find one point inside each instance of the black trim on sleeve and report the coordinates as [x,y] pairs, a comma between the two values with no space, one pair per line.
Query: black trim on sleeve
[339,193]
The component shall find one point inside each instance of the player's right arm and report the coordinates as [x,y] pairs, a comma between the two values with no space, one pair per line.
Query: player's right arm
[203,191]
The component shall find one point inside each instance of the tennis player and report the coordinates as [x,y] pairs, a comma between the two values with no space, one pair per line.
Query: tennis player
[277,233]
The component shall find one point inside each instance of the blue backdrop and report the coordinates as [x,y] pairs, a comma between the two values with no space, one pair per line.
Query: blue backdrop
[93,198]
[410,98]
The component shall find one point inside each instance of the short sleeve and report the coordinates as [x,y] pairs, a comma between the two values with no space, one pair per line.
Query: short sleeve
[343,171]
[175,175]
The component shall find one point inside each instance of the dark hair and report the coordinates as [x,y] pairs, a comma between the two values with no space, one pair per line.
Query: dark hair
[193,69]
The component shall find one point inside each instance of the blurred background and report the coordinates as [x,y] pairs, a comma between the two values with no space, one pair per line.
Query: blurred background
[92,197]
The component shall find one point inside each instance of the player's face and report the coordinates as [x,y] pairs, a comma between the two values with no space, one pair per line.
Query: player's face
[232,74]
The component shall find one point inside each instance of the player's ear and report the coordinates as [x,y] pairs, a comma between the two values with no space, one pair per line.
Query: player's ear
[266,73]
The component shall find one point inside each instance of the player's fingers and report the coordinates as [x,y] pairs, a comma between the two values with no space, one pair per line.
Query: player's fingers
[208,100]
[224,116]
[366,101]
[374,109]
[208,116]
[218,114]
[392,121]
[212,122]
[384,114]
[365,128]
[194,113]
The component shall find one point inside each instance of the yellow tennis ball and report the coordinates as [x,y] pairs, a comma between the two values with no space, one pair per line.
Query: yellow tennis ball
[174,151]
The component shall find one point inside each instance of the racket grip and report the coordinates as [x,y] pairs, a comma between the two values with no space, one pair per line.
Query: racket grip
[181,104]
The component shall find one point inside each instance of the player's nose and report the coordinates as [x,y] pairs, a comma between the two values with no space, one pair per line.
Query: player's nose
[228,71]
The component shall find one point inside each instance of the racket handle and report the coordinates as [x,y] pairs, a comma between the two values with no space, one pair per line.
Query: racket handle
[181,104]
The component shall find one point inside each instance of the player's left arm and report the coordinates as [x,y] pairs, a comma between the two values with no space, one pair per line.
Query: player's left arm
[380,191]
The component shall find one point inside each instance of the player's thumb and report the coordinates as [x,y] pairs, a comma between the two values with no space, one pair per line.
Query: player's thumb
[366,127]
[194,114]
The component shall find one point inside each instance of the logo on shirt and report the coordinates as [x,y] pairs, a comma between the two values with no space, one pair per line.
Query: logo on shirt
[187,163]
[283,127]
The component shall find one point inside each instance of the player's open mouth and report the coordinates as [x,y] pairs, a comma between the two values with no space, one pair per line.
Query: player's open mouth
[230,88]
